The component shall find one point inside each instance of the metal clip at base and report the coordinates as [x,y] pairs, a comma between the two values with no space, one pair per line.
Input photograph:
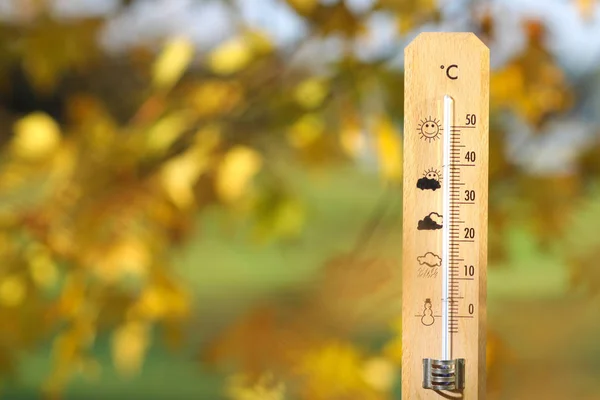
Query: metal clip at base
[444,374]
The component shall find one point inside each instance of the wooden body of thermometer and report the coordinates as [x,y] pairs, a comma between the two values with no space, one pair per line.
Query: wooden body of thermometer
[445,217]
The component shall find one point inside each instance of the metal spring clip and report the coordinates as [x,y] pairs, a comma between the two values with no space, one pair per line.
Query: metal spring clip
[444,374]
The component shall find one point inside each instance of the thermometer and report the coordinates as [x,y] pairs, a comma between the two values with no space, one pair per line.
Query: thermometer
[445,217]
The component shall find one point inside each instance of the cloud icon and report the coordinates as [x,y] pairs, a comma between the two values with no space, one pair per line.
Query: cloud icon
[431,222]
[430,259]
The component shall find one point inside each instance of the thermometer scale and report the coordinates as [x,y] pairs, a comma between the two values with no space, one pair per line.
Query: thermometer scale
[445,217]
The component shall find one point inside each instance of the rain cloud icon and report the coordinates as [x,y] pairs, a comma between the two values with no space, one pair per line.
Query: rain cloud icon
[430,259]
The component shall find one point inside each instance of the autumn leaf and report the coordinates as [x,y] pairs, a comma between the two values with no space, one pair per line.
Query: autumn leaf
[237,53]
[231,56]
[179,175]
[306,130]
[42,268]
[128,347]
[172,62]
[36,136]
[166,130]
[311,92]
[236,170]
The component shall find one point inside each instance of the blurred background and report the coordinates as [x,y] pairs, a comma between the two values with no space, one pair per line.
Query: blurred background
[201,199]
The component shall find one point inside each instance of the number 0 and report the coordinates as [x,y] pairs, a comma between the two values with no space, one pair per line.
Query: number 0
[471,309]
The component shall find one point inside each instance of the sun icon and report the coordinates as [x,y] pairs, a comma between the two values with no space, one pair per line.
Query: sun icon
[430,129]
[433,175]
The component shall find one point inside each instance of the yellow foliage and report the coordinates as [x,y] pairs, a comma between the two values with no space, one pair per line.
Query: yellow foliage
[172,62]
[50,47]
[393,350]
[68,352]
[532,86]
[216,97]
[12,291]
[289,217]
[237,53]
[279,217]
[389,148]
[306,130]
[380,373]
[231,56]
[352,138]
[72,297]
[43,270]
[180,174]
[411,14]
[260,42]
[507,83]
[304,6]
[333,371]
[236,170]
[311,92]
[36,136]
[166,131]
[128,347]
[152,303]
[266,388]
[158,302]
[127,257]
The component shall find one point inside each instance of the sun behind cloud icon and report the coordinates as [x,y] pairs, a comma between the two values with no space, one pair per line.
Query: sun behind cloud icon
[430,259]
[429,129]
[430,180]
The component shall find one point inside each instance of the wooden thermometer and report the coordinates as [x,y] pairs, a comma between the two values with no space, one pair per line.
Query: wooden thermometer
[445,217]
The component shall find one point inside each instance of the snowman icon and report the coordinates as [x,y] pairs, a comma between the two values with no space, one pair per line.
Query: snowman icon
[427,319]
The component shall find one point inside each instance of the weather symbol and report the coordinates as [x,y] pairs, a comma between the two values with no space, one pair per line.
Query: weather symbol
[427,319]
[430,259]
[430,180]
[431,222]
[429,129]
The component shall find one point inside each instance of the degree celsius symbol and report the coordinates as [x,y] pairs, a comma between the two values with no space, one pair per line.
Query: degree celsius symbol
[450,73]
